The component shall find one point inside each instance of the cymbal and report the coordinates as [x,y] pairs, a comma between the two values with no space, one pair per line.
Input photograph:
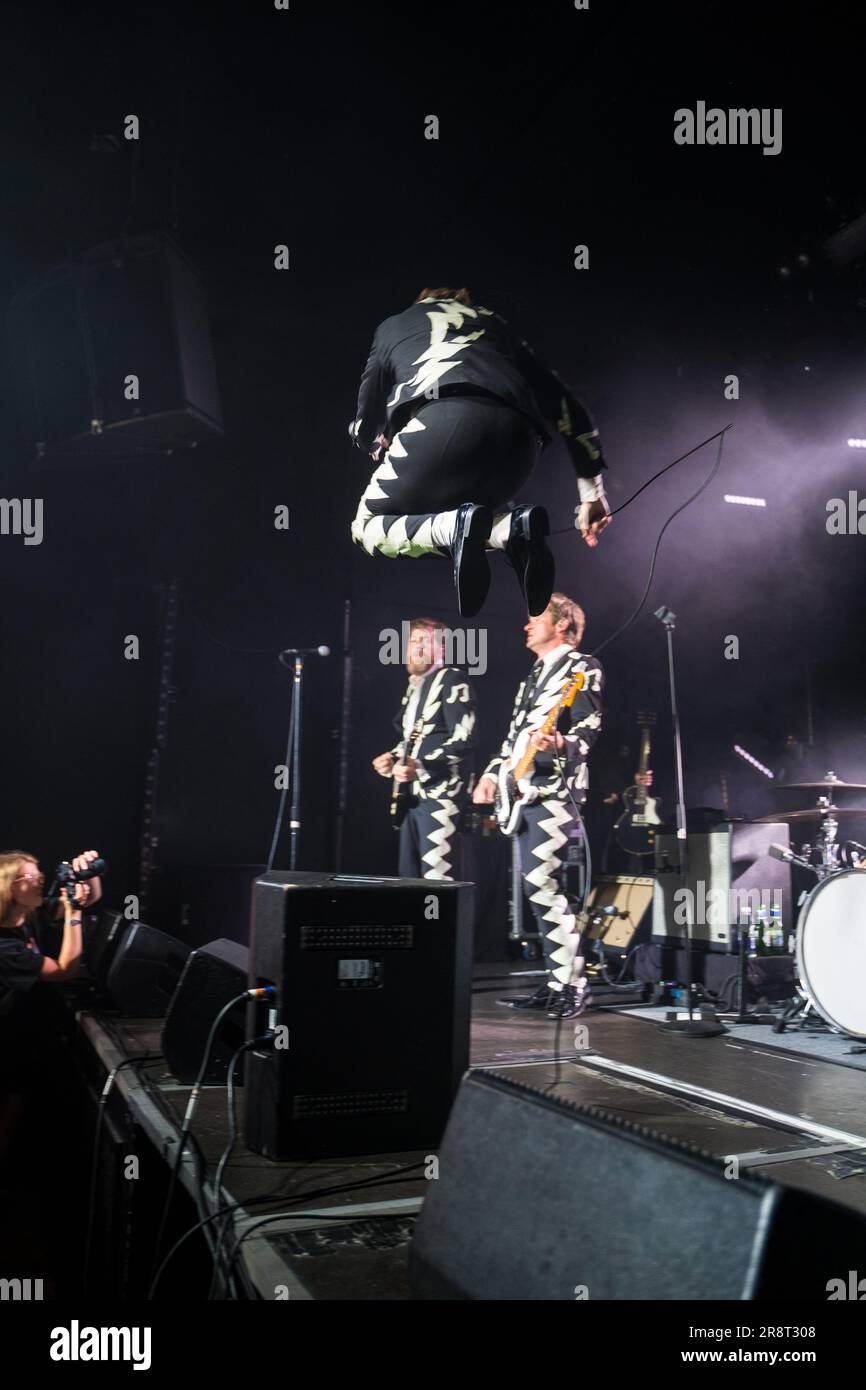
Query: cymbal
[819,786]
[815,813]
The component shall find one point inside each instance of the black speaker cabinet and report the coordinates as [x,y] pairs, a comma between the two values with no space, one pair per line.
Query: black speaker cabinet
[508,1216]
[212,976]
[145,970]
[133,307]
[728,866]
[373,981]
[103,938]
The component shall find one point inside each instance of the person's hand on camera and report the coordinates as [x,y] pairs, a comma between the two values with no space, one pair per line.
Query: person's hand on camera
[82,862]
[92,887]
[72,902]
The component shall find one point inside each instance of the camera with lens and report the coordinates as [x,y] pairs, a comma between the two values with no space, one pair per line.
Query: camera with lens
[68,877]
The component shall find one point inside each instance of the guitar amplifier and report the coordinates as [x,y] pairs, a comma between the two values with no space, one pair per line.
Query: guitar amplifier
[618,908]
[729,868]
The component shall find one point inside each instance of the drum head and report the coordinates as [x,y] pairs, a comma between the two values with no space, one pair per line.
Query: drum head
[831,950]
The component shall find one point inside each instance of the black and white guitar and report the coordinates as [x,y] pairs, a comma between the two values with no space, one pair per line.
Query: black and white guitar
[514,783]
[635,829]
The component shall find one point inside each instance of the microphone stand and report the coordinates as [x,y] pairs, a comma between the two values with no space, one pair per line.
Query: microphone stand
[293,759]
[690,1027]
[295,809]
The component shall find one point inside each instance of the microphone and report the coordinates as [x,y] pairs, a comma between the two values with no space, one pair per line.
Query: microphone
[306,651]
[782,852]
[788,856]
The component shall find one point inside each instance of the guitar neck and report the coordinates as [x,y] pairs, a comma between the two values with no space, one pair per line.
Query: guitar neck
[527,762]
[640,796]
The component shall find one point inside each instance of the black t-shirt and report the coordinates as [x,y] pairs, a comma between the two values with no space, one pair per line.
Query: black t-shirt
[20,965]
[30,1008]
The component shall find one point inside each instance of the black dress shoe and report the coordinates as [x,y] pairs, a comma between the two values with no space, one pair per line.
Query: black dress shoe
[529,554]
[569,1003]
[471,568]
[541,999]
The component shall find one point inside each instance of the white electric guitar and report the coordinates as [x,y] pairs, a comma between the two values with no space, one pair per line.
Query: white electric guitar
[514,782]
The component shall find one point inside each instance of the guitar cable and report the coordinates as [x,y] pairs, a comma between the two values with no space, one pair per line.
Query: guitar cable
[720,435]
[618,632]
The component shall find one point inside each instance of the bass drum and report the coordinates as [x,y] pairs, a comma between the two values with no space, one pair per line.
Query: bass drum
[831,950]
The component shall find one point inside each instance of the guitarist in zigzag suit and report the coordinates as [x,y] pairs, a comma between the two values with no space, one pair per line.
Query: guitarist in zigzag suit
[436,731]
[558,779]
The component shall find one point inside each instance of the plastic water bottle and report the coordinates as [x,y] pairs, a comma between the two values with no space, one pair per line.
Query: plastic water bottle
[762,932]
[748,931]
[777,931]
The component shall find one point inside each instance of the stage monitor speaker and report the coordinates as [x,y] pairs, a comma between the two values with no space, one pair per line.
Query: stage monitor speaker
[145,970]
[628,924]
[126,317]
[373,979]
[731,861]
[212,976]
[102,941]
[509,1216]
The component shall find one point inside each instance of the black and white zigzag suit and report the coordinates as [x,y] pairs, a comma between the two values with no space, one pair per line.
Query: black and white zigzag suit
[548,821]
[446,710]
[466,406]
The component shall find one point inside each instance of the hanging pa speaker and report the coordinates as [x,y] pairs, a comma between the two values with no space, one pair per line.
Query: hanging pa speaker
[212,976]
[113,354]
[508,1216]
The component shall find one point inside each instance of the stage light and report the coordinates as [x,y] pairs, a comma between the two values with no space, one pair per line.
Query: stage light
[747,757]
[745,501]
[857,443]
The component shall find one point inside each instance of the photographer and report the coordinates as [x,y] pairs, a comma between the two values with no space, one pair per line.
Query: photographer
[29,1032]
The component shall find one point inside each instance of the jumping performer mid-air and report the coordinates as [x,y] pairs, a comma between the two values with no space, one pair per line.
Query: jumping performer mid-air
[462,408]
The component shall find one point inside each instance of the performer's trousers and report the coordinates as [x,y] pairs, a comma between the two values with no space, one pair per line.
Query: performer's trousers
[428,839]
[543,839]
[455,449]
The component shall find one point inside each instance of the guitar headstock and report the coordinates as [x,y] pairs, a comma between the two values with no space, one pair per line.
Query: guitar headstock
[577,684]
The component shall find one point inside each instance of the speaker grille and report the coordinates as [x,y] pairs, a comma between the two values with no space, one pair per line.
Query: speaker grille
[362,938]
[340,1103]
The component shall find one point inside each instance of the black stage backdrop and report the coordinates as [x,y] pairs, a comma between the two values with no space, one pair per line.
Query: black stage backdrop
[300,128]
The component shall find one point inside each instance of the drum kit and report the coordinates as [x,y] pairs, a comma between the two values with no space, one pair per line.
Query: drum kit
[831,927]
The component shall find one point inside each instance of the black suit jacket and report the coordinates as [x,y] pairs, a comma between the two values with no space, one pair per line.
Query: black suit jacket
[446,712]
[440,346]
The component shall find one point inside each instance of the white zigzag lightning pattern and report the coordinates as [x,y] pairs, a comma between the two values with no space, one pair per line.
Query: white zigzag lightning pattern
[447,313]
[437,857]
[547,893]
[370,531]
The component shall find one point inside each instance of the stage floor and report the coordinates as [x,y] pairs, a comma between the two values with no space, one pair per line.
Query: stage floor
[727,1095]
[796,1118]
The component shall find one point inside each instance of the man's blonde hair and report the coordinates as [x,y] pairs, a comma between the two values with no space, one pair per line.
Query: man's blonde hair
[561,606]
